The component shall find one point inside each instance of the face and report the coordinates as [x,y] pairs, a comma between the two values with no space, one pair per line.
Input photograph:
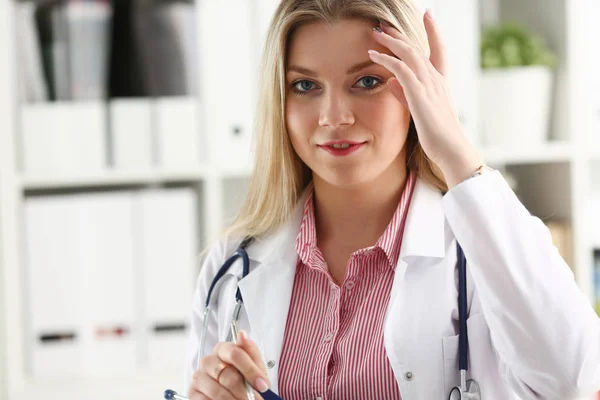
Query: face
[337,95]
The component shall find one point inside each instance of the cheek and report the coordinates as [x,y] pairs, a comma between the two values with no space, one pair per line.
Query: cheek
[299,122]
[388,119]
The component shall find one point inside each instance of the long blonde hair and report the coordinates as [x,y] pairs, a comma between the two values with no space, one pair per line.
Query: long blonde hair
[280,177]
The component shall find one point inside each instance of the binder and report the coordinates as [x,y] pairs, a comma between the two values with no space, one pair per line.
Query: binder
[228,53]
[32,84]
[178,137]
[60,53]
[106,257]
[167,246]
[43,23]
[87,30]
[165,33]
[78,252]
[125,75]
[63,137]
[53,282]
[131,133]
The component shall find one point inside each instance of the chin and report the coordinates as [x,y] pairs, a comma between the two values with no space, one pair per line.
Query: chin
[344,178]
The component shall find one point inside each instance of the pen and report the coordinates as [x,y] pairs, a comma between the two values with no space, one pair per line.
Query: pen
[234,334]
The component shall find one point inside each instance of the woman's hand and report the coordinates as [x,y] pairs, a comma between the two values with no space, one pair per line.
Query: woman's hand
[421,85]
[221,375]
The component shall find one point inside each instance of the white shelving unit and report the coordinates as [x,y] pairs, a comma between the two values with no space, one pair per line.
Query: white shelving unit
[228,32]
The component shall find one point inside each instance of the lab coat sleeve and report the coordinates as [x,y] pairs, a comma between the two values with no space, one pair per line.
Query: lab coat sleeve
[543,327]
[208,270]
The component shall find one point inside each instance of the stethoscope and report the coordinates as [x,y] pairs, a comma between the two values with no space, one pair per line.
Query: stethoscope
[233,333]
[468,388]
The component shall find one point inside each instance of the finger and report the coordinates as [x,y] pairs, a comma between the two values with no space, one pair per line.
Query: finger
[436,45]
[403,49]
[252,349]
[212,366]
[231,379]
[410,84]
[397,91]
[207,386]
[234,355]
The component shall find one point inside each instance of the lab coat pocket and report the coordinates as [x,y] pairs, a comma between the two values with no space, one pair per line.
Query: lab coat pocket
[478,337]
[450,362]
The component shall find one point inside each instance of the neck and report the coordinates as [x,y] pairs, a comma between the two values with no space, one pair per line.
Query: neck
[355,217]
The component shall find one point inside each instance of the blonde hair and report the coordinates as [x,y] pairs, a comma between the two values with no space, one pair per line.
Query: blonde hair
[280,177]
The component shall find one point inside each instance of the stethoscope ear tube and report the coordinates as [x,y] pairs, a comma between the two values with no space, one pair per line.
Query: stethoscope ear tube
[463,340]
[240,252]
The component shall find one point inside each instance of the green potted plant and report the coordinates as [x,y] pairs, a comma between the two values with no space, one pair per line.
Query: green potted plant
[516,86]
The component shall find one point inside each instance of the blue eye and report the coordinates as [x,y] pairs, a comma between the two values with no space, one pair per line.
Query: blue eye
[303,86]
[370,82]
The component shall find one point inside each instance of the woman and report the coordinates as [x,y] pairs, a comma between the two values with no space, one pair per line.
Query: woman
[364,183]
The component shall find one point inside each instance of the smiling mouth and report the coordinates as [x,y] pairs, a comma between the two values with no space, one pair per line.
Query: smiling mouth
[341,148]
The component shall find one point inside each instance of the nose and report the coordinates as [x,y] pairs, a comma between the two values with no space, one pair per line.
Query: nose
[335,111]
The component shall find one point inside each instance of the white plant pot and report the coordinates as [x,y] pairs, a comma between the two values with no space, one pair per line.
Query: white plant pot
[515,105]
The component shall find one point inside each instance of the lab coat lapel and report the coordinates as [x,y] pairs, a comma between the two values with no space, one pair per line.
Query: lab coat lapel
[424,237]
[424,231]
[267,290]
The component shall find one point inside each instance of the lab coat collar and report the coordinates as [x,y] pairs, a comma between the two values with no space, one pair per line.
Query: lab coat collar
[423,232]
[424,229]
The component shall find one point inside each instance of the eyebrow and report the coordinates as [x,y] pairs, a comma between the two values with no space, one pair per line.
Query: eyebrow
[351,70]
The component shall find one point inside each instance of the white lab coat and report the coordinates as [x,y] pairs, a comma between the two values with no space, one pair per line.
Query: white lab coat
[532,333]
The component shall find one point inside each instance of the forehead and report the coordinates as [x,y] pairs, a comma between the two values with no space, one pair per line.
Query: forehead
[346,39]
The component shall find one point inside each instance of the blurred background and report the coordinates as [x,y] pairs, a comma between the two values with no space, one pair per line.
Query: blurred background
[125,147]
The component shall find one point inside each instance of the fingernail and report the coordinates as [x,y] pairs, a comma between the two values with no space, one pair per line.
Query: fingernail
[430,14]
[372,52]
[243,335]
[377,29]
[261,385]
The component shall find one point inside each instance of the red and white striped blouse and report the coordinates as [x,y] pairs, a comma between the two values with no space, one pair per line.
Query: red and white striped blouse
[333,346]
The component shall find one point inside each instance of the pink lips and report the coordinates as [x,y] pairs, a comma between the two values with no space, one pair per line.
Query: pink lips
[352,147]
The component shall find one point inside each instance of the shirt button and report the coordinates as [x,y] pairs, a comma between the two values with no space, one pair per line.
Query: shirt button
[270,364]
[349,285]
[328,337]
[409,376]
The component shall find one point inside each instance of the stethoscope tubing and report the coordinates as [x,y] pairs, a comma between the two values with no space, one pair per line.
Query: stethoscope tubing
[463,341]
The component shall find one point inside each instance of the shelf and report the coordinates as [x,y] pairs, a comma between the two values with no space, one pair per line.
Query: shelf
[113,178]
[551,152]
[143,386]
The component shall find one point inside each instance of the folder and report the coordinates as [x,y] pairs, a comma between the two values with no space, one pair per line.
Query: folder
[53,284]
[231,52]
[79,267]
[167,248]
[87,30]
[106,257]
[178,134]
[32,83]
[62,137]
[131,133]
[125,75]
[61,74]
[165,34]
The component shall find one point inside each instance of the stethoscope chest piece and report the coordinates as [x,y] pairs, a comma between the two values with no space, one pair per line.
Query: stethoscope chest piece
[472,392]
